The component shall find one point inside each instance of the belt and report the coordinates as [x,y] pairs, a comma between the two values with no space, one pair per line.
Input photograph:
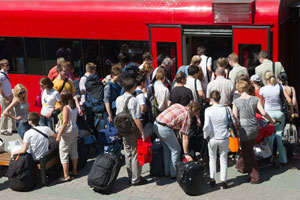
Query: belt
[163,124]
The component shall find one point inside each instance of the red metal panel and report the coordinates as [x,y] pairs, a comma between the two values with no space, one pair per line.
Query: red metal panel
[166,34]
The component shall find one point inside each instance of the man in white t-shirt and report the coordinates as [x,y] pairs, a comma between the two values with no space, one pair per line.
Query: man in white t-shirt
[7,124]
[196,89]
[161,92]
[90,70]
[34,142]
[206,64]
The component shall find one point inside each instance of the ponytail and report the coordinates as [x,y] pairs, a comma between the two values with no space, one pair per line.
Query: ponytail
[269,76]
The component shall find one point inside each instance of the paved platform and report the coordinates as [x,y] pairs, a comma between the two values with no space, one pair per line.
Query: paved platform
[278,184]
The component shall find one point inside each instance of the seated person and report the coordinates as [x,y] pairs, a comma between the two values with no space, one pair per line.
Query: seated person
[34,142]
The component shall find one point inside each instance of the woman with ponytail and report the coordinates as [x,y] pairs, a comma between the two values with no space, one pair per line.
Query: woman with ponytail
[271,94]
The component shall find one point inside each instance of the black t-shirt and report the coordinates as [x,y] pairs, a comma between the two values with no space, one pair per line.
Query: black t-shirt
[181,95]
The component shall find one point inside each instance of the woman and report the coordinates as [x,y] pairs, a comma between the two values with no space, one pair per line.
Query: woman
[49,98]
[271,94]
[216,131]
[21,107]
[147,71]
[256,84]
[244,111]
[68,140]
[175,117]
[291,92]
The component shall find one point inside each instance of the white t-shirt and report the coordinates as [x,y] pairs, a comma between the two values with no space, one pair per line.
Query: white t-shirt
[38,144]
[6,86]
[82,88]
[162,95]
[190,83]
[204,66]
[141,97]
[49,99]
[271,95]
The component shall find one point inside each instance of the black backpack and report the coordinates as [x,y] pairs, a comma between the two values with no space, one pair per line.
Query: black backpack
[130,71]
[76,85]
[21,173]
[94,94]
[124,121]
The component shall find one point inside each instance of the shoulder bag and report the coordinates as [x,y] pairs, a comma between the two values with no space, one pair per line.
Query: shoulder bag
[69,127]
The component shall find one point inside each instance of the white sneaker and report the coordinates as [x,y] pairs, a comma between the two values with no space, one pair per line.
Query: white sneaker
[9,131]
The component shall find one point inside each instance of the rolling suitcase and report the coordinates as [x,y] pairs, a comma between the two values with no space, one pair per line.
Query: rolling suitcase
[104,173]
[157,164]
[190,176]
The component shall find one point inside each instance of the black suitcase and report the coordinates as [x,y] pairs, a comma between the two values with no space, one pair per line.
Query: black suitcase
[104,173]
[22,173]
[157,164]
[190,177]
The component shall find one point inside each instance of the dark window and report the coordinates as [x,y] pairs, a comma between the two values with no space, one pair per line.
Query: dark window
[164,50]
[12,49]
[248,56]
[35,64]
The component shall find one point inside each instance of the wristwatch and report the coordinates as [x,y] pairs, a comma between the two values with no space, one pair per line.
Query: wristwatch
[186,154]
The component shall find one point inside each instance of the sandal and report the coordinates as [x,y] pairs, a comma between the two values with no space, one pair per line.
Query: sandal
[73,175]
[63,180]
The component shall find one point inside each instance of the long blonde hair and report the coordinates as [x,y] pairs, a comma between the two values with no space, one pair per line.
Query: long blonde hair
[269,76]
[17,90]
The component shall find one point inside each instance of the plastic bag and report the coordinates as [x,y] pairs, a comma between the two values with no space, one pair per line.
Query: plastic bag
[14,145]
[262,150]
[234,144]
[144,151]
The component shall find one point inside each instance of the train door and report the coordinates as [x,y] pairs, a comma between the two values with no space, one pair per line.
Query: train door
[165,41]
[248,41]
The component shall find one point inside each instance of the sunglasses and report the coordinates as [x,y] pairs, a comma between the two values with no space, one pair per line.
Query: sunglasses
[22,93]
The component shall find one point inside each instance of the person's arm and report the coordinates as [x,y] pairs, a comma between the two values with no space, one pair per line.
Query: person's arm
[64,124]
[206,127]
[169,103]
[235,115]
[294,100]
[140,127]
[264,113]
[7,100]
[201,94]
[185,145]
[289,100]
[7,111]
[22,150]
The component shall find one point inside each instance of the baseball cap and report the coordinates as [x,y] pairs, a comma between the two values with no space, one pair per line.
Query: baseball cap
[255,78]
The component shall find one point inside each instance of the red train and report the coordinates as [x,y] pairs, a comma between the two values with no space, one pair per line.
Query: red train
[32,32]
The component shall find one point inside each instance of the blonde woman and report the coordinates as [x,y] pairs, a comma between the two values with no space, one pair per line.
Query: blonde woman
[271,94]
[21,108]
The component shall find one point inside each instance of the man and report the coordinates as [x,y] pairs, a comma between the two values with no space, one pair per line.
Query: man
[34,142]
[161,92]
[175,117]
[194,84]
[90,70]
[180,94]
[53,71]
[196,60]
[206,64]
[223,85]
[6,96]
[61,83]
[237,70]
[130,140]
[146,58]
[267,65]
[166,65]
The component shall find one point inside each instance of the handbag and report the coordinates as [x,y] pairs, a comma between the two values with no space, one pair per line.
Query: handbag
[144,151]
[38,99]
[69,127]
[230,126]
[234,144]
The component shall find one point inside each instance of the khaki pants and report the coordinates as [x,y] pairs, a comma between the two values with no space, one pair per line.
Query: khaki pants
[133,167]
[6,122]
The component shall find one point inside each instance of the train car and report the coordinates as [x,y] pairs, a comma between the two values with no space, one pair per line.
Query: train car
[33,33]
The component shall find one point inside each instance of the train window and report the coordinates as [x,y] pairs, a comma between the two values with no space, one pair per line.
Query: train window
[34,59]
[167,49]
[12,49]
[54,48]
[90,49]
[248,56]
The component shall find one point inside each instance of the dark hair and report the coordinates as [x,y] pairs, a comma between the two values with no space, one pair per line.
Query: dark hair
[201,50]
[146,55]
[215,95]
[180,77]
[193,70]
[140,79]
[116,70]
[46,82]
[263,54]
[71,103]
[128,84]
[283,77]
[65,96]
[34,117]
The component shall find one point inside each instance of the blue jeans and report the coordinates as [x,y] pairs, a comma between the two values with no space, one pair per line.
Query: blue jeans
[22,127]
[277,115]
[47,122]
[171,148]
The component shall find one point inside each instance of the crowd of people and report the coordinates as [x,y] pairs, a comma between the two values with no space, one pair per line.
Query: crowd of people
[201,95]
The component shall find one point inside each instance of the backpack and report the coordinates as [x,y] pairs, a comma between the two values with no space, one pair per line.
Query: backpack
[94,94]
[130,71]
[124,121]
[21,173]
[290,134]
[154,112]
[76,85]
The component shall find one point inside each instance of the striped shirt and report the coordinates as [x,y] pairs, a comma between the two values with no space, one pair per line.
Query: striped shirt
[176,117]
